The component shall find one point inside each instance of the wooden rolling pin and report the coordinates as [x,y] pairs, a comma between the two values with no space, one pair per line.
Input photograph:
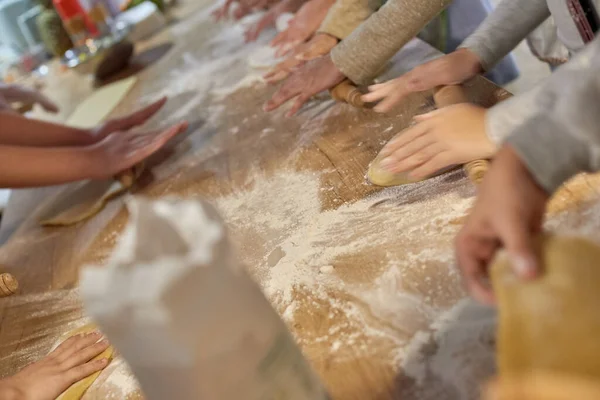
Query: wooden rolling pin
[445,96]
[346,92]
[8,285]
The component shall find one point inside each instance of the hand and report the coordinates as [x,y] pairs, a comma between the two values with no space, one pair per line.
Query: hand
[451,69]
[314,77]
[127,122]
[21,94]
[270,18]
[320,45]
[449,136]
[304,24]
[49,377]
[122,150]
[508,212]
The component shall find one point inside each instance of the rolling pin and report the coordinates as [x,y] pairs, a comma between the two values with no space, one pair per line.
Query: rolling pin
[445,96]
[8,285]
[346,92]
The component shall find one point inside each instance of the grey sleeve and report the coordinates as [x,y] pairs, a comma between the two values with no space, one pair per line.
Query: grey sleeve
[563,138]
[365,51]
[509,24]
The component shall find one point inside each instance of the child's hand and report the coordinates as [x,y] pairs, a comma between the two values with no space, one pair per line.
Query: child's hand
[123,149]
[312,78]
[508,213]
[304,24]
[21,94]
[451,69]
[449,136]
[318,46]
[52,375]
[127,122]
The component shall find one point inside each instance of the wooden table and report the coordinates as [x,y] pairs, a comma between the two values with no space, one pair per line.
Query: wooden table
[361,275]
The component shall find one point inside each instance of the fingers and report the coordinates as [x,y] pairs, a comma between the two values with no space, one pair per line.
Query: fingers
[432,165]
[518,241]
[472,263]
[282,70]
[74,344]
[303,98]
[286,92]
[415,155]
[141,116]
[46,103]
[84,355]
[287,47]
[379,91]
[429,115]
[394,96]
[223,11]
[241,11]
[83,371]
[142,149]
[409,135]
[253,32]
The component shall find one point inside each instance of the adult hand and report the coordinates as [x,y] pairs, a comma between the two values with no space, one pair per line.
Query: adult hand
[123,149]
[52,375]
[451,69]
[270,18]
[321,44]
[314,77]
[304,24]
[21,94]
[449,136]
[508,213]
[127,122]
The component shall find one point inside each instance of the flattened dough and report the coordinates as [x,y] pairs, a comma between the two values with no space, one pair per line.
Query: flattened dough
[76,390]
[88,199]
[100,104]
[550,325]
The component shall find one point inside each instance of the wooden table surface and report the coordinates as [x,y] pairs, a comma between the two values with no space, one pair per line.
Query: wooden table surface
[280,184]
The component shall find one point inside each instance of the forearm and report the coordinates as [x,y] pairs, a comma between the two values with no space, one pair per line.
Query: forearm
[16,130]
[43,166]
[509,24]
[563,138]
[362,54]
[347,15]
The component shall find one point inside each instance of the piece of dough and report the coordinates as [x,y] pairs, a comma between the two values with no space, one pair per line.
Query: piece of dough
[379,176]
[100,104]
[88,199]
[76,390]
[550,325]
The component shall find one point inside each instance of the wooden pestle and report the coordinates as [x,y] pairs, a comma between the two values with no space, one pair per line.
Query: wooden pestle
[346,92]
[445,96]
[8,285]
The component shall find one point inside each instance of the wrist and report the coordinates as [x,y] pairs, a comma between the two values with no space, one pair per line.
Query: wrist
[472,60]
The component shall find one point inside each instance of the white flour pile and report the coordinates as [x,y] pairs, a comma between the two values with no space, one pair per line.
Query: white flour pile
[408,278]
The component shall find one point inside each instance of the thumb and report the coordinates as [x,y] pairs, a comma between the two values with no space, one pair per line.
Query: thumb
[519,243]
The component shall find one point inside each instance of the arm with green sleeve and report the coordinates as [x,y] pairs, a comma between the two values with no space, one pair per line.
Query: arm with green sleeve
[365,51]
[563,137]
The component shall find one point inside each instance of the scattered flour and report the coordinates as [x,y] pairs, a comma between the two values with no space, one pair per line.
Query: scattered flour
[311,254]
